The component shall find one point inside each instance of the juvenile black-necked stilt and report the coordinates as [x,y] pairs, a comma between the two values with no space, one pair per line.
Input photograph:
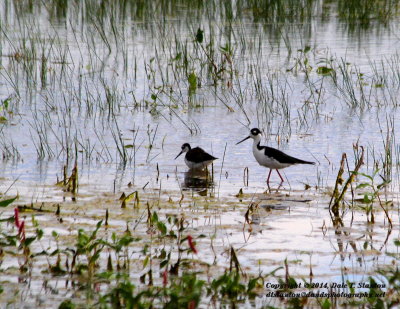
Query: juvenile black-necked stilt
[196,158]
[271,157]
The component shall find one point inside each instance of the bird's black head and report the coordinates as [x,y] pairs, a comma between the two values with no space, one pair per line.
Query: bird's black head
[186,146]
[255,132]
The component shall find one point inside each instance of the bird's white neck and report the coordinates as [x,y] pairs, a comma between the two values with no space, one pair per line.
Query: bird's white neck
[256,140]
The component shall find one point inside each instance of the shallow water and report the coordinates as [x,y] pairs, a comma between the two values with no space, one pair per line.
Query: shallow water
[97,96]
[300,230]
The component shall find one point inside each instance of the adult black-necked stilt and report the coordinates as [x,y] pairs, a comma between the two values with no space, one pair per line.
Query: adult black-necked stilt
[196,158]
[271,157]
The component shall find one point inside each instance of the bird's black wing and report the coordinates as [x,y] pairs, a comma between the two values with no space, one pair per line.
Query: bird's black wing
[283,157]
[198,155]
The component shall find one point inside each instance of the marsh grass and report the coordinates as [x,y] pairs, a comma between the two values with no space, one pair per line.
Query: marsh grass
[101,262]
[188,62]
[99,82]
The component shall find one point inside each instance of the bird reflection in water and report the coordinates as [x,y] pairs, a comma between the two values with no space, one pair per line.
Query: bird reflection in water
[198,180]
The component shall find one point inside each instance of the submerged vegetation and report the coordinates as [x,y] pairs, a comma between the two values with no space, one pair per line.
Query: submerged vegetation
[96,97]
[161,261]
[94,59]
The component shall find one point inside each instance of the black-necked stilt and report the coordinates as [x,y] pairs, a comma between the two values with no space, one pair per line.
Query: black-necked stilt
[271,157]
[196,158]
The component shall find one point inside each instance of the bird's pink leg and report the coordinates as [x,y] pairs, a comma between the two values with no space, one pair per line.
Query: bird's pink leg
[282,180]
[269,175]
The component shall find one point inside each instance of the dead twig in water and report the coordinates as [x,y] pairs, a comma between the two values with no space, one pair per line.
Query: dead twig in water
[336,197]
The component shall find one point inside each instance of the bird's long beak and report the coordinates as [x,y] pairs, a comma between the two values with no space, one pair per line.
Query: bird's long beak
[178,155]
[243,140]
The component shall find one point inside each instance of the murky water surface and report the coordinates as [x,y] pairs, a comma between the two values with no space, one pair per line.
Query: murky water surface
[117,94]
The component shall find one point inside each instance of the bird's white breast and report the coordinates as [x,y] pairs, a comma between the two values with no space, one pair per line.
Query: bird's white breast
[266,161]
[196,166]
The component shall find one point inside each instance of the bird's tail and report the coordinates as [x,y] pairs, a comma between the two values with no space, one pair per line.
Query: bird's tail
[304,162]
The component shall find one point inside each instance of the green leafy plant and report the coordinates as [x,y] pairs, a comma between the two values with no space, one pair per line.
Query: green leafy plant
[372,195]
